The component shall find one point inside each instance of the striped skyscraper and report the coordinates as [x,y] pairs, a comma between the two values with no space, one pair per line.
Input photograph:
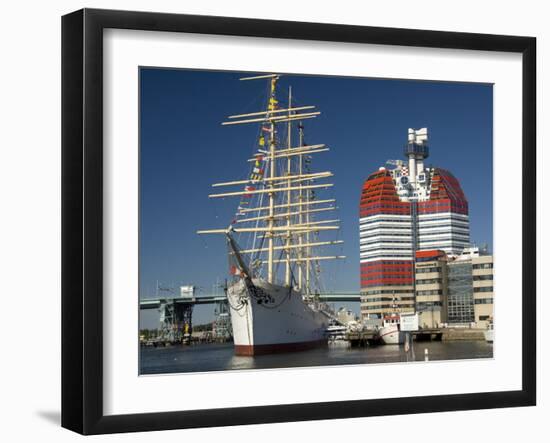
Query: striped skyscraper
[403,210]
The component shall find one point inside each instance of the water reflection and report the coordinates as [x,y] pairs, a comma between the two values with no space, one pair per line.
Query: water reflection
[215,357]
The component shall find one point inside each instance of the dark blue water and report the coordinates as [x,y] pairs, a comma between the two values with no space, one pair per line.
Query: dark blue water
[220,357]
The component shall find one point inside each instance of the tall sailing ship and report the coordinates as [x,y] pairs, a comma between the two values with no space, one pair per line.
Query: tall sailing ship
[273,293]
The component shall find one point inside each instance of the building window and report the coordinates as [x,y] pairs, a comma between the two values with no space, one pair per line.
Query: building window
[483,277]
[429,306]
[484,289]
[430,292]
[483,266]
[483,301]
[428,281]
[427,270]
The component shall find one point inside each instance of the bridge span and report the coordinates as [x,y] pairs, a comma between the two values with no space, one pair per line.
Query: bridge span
[155,303]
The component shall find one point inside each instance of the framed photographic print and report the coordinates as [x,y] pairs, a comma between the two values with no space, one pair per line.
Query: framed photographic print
[256,210]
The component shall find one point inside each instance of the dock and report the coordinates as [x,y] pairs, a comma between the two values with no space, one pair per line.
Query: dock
[359,339]
[371,338]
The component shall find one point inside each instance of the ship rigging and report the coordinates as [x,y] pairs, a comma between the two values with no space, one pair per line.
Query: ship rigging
[281,175]
[278,207]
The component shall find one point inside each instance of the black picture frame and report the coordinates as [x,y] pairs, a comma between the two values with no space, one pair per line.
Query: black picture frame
[82,218]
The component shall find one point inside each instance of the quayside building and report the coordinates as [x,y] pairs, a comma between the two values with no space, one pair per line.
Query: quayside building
[407,208]
[454,290]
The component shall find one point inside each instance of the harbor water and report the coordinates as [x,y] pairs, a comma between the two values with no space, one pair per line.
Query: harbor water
[220,357]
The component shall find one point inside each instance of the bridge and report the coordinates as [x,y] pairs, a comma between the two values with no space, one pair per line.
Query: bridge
[155,303]
[330,297]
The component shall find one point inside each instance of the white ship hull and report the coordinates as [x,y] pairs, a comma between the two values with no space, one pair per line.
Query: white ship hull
[391,335]
[276,319]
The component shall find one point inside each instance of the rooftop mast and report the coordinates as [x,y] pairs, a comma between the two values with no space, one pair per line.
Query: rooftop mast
[416,150]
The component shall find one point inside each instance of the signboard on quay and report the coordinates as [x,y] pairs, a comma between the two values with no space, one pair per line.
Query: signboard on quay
[409,322]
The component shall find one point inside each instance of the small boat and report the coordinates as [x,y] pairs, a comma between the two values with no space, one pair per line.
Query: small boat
[336,331]
[489,333]
[390,333]
[336,334]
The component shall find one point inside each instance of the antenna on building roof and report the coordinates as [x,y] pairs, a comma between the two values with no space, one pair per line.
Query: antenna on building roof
[416,150]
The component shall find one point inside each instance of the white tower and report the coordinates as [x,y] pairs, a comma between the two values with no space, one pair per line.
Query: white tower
[416,150]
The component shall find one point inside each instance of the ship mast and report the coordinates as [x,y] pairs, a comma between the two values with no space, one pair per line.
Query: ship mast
[272,168]
[289,182]
[307,254]
[278,183]
[301,206]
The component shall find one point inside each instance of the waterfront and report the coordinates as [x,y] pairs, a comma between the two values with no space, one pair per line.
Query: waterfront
[220,357]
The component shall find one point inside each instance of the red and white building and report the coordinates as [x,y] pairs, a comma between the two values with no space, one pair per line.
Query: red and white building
[403,210]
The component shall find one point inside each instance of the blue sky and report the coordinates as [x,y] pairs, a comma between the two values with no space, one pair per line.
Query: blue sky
[184,149]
